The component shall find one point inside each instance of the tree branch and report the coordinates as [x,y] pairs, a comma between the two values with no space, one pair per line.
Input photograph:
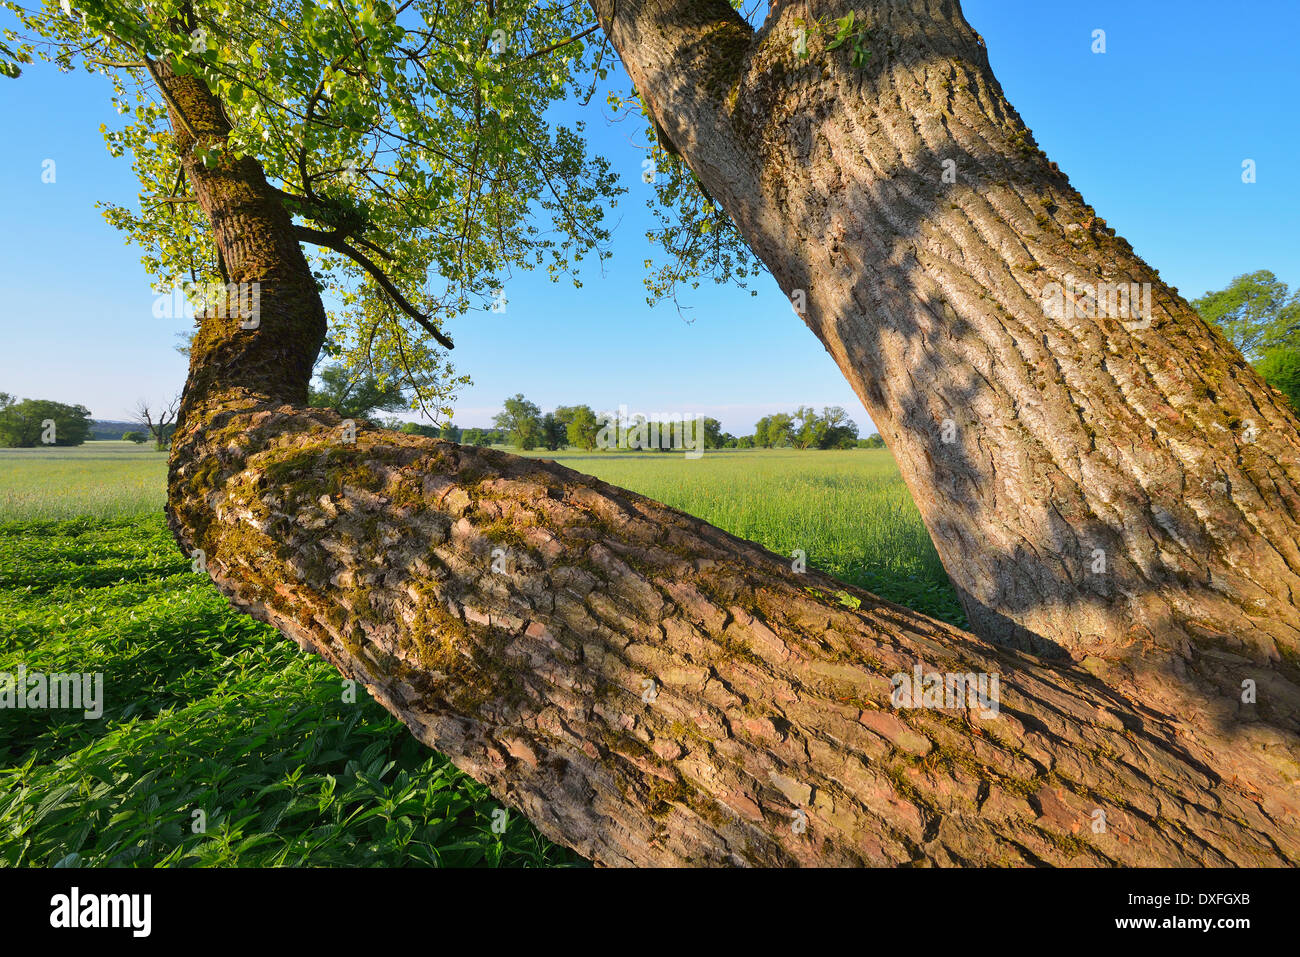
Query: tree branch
[335,241]
[560,43]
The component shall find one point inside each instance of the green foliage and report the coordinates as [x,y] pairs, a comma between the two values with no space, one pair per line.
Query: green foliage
[713,435]
[207,710]
[581,425]
[521,421]
[1256,312]
[1280,368]
[361,381]
[849,601]
[414,428]
[356,395]
[11,59]
[418,133]
[31,422]
[774,431]
[139,438]
[847,32]
[872,441]
[555,434]
[832,429]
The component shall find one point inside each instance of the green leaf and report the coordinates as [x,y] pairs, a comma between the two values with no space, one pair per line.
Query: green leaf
[845,24]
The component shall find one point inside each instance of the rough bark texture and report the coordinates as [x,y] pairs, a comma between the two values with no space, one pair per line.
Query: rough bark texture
[1159,445]
[770,694]
[651,690]
[1032,444]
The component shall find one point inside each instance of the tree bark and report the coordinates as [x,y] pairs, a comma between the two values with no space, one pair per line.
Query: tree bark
[1121,489]
[651,690]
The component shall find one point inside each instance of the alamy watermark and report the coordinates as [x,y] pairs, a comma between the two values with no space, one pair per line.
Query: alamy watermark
[659,430]
[236,300]
[128,911]
[934,689]
[37,690]
[1130,302]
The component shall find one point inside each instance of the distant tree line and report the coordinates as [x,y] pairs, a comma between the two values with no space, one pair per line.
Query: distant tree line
[453,433]
[1256,312]
[525,426]
[522,424]
[27,423]
[806,429]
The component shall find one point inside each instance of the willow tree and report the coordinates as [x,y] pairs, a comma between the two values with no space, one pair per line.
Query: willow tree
[1113,491]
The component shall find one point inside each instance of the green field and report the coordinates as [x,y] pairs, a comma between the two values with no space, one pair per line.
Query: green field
[95,480]
[208,711]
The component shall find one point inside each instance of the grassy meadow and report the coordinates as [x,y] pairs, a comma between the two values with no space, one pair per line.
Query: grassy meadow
[95,480]
[221,743]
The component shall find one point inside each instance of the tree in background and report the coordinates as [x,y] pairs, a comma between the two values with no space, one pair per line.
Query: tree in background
[1256,312]
[806,429]
[166,420]
[357,394]
[713,438]
[774,431]
[1261,317]
[872,441]
[476,437]
[31,422]
[1280,368]
[837,430]
[521,421]
[448,432]
[583,426]
[139,438]
[418,428]
[554,431]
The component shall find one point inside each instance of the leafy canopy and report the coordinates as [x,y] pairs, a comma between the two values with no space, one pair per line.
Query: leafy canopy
[415,135]
[1256,312]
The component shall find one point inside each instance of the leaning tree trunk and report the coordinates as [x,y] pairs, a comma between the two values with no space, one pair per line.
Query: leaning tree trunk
[646,688]
[1102,481]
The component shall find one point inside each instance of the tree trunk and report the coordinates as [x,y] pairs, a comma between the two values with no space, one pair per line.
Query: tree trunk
[649,689]
[1117,486]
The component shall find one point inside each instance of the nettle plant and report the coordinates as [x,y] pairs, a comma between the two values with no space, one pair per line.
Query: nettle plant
[411,144]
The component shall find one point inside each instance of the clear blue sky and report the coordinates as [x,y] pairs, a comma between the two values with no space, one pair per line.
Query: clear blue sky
[1153,133]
